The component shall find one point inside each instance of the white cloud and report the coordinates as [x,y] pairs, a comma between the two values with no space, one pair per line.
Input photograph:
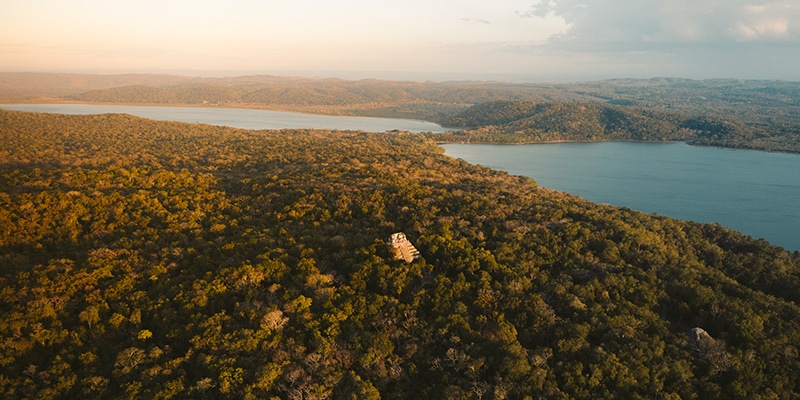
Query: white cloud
[689,38]
[669,21]
[766,22]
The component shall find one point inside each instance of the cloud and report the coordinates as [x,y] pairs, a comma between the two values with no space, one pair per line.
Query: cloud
[766,22]
[478,20]
[688,38]
[673,21]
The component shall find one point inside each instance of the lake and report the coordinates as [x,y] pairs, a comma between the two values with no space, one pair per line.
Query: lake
[757,193]
[239,118]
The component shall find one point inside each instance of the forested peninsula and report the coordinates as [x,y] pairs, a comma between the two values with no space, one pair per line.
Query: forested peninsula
[145,259]
[519,121]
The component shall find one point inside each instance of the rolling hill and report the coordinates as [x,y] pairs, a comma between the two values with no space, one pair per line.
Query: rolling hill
[521,121]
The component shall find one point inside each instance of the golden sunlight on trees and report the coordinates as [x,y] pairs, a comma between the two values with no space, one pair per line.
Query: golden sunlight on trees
[145,259]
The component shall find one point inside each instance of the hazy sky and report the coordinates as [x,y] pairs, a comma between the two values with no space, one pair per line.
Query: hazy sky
[412,39]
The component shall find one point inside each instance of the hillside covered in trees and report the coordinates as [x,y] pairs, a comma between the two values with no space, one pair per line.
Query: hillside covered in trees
[519,121]
[145,259]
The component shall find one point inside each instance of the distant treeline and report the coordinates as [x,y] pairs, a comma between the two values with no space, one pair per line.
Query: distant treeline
[533,122]
[751,114]
[145,259]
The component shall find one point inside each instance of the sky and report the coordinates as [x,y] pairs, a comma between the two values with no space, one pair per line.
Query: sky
[507,40]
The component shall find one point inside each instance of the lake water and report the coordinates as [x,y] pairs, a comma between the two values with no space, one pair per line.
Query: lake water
[239,118]
[753,192]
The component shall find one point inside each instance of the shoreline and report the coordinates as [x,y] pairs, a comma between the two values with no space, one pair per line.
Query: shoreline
[321,112]
[325,110]
[244,119]
[439,143]
[687,200]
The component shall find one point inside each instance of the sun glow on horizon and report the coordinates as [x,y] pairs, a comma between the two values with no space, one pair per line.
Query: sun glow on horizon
[452,36]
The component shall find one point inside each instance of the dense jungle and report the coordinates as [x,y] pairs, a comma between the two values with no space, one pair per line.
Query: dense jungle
[145,259]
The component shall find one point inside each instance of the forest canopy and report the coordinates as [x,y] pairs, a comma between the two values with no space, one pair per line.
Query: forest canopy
[145,259]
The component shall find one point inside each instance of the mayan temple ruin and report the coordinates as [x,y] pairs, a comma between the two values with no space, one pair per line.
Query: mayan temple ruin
[402,248]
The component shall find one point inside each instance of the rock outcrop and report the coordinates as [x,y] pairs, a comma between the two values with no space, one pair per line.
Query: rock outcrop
[700,339]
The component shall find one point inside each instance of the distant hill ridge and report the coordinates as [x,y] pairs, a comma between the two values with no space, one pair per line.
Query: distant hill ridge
[513,121]
[752,114]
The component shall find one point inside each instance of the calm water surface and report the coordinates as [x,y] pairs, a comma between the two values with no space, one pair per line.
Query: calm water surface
[753,192]
[239,118]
